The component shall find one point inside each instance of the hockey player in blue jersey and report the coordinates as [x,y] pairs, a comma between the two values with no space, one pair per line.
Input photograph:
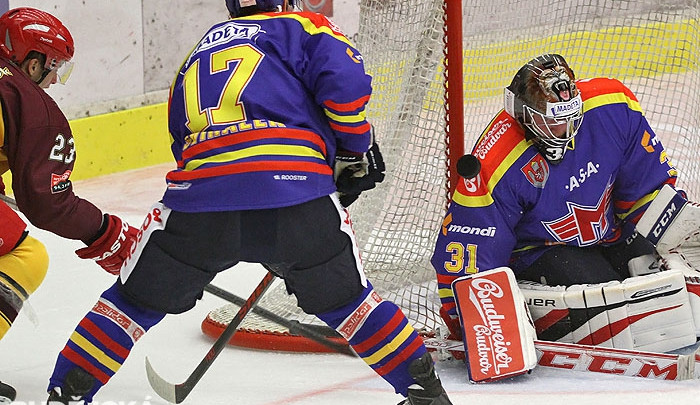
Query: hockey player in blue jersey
[267,118]
[568,167]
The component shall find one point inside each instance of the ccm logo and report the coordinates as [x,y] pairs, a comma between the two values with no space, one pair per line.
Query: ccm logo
[665,220]
[610,364]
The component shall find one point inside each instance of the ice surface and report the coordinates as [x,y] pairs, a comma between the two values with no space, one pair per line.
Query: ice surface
[239,376]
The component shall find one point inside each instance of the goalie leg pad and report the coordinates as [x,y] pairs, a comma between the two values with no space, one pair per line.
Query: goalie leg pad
[497,331]
[651,313]
[659,310]
[692,284]
[643,265]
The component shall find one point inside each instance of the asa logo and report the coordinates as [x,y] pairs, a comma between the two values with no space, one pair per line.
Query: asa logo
[584,173]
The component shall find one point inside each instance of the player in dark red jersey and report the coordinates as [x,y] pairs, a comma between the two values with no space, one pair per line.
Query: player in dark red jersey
[267,117]
[567,170]
[38,149]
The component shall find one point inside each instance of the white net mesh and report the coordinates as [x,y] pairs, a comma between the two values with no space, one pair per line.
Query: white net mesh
[652,46]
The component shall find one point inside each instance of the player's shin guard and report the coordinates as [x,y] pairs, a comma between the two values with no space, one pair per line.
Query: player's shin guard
[380,334]
[101,343]
[21,272]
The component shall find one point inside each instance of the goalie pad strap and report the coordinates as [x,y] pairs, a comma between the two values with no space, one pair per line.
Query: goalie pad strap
[649,312]
[496,328]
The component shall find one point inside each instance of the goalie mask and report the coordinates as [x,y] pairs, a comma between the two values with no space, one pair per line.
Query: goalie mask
[544,99]
[240,8]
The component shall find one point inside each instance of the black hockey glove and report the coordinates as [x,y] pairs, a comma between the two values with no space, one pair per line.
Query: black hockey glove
[357,173]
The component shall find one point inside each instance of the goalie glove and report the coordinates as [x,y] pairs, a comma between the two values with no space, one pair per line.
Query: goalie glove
[111,249]
[355,173]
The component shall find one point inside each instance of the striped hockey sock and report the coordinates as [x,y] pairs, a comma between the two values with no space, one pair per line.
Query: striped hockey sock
[103,339]
[381,335]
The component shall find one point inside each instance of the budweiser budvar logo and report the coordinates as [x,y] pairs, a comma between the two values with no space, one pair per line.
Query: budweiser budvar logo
[491,344]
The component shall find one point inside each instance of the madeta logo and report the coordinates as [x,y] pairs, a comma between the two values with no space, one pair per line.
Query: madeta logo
[585,225]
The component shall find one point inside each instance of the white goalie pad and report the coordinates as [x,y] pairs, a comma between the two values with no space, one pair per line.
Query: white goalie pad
[692,284]
[651,313]
[497,330]
[643,265]
[672,261]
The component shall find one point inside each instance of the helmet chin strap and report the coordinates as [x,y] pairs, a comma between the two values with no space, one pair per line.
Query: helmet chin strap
[43,75]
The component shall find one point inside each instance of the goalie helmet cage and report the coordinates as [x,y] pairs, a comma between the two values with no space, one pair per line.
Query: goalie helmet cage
[653,46]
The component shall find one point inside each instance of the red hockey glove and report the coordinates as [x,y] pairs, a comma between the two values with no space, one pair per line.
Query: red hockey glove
[112,248]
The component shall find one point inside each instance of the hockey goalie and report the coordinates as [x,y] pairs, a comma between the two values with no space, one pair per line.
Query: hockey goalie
[574,212]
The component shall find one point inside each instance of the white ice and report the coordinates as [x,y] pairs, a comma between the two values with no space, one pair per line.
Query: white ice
[240,376]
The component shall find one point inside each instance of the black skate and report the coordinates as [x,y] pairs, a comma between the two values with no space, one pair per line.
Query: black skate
[77,383]
[7,394]
[430,391]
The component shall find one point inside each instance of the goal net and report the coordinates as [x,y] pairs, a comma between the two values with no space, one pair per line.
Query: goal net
[653,46]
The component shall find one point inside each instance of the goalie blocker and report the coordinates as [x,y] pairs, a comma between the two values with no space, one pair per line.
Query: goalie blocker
[672,224]
[497,331]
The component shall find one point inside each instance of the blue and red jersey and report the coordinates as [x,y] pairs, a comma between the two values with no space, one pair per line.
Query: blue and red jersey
[259,109]
[520,204]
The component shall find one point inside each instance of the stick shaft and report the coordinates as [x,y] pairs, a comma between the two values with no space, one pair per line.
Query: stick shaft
[597,359]
[9,201]
[177,393]
[294,327]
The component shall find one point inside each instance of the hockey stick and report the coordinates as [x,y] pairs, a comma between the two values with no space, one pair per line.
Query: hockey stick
[294,327]
[176,393]
[596,359]
[9,201]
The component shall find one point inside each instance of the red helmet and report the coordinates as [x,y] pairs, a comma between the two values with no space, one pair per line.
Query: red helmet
[27,29]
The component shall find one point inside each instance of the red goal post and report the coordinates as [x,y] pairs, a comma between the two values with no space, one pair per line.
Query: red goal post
[439,68]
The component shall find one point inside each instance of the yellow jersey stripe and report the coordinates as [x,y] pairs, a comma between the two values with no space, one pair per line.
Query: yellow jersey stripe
[262,150]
